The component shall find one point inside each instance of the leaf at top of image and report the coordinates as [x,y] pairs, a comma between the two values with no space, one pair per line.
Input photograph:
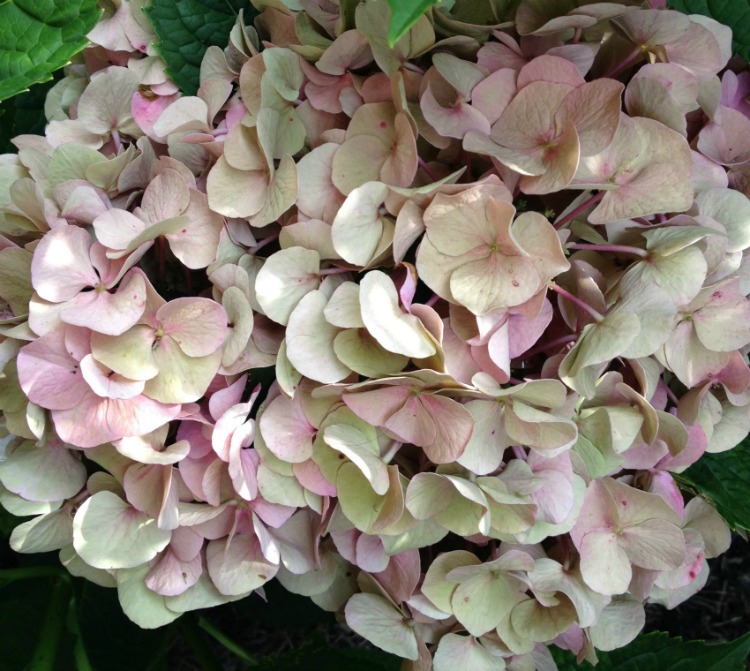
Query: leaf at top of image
[404,14]
[732,13]
[659,652]
[186,28]
[38,37]
[724,479]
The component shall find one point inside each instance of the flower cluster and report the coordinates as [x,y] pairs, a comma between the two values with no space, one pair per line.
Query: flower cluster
[423,332]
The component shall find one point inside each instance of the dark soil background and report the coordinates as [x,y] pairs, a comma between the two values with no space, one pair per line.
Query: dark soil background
[721,610]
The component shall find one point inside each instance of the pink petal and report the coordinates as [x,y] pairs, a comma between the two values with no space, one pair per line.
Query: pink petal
[105,383]
[172,576]
[93,420]
[61,266]
[49,374]
[115,228]
[287,431]
[197,325]
[103,312]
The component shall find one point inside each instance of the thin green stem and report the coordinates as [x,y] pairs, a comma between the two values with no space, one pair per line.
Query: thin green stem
[227,642]
[615,249]
[193,637]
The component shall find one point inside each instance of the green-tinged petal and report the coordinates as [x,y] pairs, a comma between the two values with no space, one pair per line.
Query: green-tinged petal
[108,533]
[378,621]
[144,607]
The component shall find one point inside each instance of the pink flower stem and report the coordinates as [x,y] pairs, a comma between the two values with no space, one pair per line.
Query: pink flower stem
[585,205]
[662,218]
[116,141]
[427,169]
[577,36]
[562,340]
[265,241]
[615,249]
[672,396]
[434,299]
[576,301]
[413,67]
[624,64]
[518,452]
[333,271]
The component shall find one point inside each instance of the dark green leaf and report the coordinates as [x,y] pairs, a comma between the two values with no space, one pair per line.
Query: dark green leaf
[38,37]
[404,14]
[51,628]
[732,13]
[112,642]
[33,611]
[21,605]
[659,652]
[724,480]
[20,115]
[186,28]
[192,635]
[348,9]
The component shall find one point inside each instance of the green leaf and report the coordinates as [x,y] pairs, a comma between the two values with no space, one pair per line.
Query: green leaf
[186,28]
[404,14]
[724,480]
[38,37]
[113,642]
[732,13]
[51,628]
[34,598]
[659,652]
[23,114]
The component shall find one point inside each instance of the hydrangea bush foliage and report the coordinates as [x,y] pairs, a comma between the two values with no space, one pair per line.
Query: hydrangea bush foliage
[425,332]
